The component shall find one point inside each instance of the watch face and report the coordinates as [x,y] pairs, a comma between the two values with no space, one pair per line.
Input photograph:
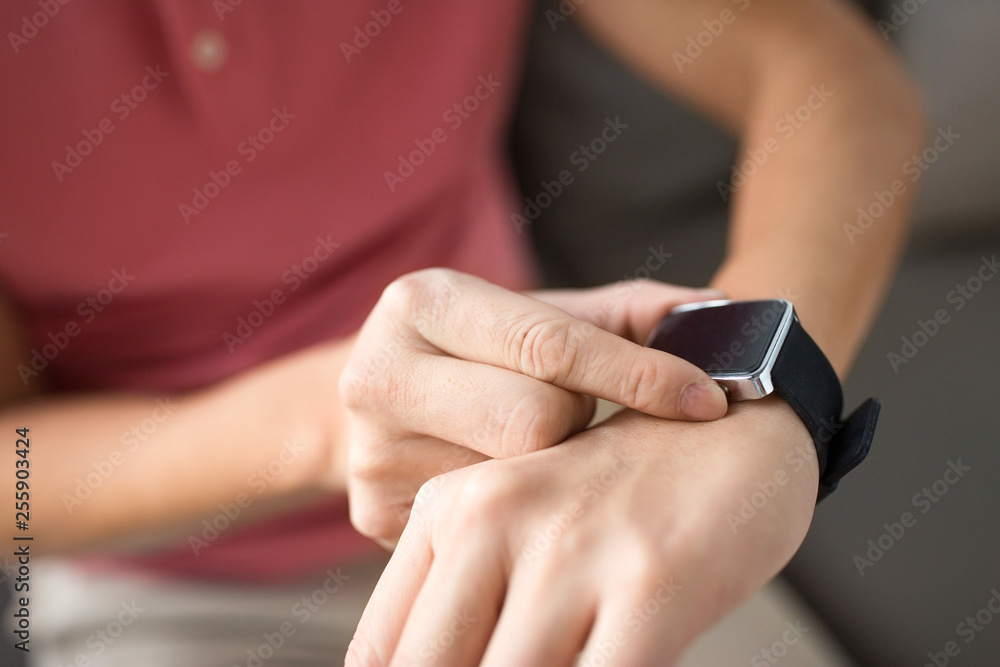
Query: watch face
[729,338]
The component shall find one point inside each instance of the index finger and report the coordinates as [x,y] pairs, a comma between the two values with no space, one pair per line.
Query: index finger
[472,319]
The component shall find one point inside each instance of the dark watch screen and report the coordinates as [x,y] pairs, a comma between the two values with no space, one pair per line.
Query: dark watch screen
[729,338]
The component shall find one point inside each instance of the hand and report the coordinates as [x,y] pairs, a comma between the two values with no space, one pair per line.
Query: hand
[620,543]
[450,370]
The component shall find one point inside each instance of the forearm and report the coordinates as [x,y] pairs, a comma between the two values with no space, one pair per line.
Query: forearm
[130,469]
[795,219]
[788,217]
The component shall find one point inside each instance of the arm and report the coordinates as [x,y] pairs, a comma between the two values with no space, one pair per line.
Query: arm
[571,563]
[161,481]
[788,218]
[208,447]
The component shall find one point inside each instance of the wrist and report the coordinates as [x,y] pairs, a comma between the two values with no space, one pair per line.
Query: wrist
[292,415]
[322,413]
[790,437]
[838,330]
[765,429]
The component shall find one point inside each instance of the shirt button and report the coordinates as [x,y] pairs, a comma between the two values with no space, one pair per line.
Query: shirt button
[209,50]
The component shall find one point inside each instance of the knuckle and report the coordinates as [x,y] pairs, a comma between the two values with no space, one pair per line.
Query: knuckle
[369,463]
[643,565]
[490,491]
[429,494]
[421,295]
[532,424]
[641,387]
[548,350]
[429,499]
[379,521]
[381,509]
[380,377]
[402,293]
[483,498]
[353,384]
[572,543]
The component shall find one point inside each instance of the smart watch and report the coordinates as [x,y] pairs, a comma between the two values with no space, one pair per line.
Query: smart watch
[755,348]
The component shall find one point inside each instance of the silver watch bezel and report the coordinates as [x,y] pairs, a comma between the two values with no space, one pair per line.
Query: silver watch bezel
[757,383]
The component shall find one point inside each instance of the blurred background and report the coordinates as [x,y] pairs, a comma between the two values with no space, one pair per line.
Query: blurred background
[658,185]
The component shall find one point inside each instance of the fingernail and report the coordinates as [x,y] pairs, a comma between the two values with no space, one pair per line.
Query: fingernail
[711,293]
[703,401]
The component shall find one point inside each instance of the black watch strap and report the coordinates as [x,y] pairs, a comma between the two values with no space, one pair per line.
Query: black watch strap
[803,376]
[849,446]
